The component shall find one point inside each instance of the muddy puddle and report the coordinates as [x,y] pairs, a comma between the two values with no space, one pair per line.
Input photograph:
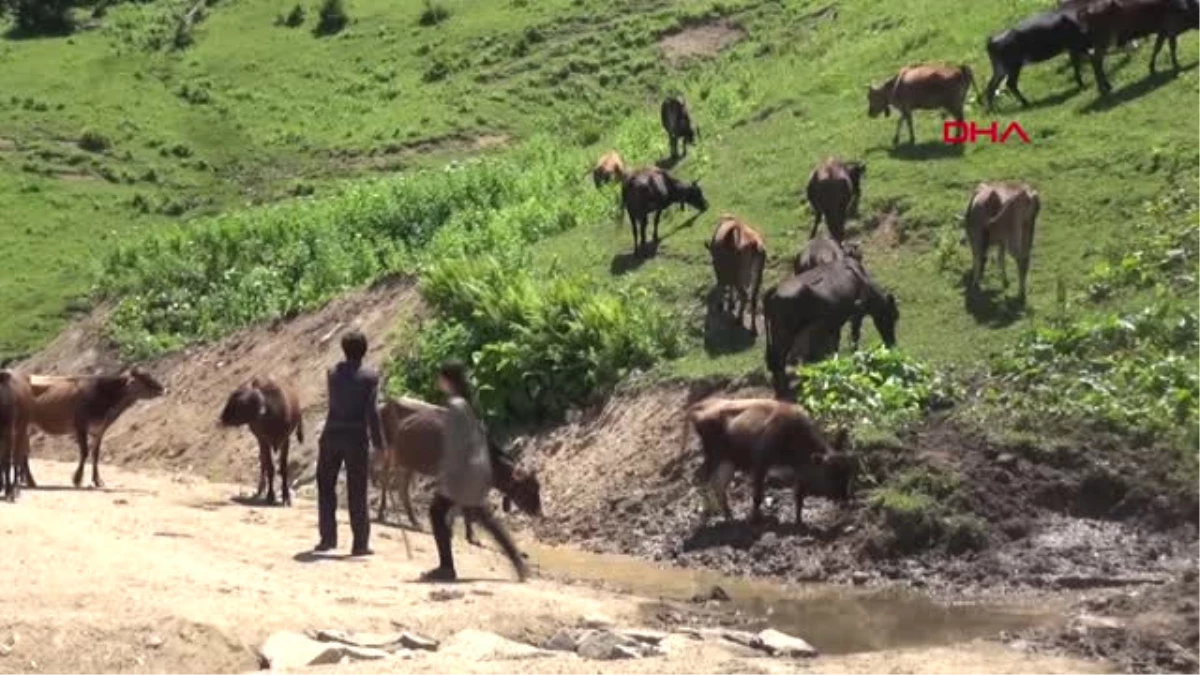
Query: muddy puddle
[834,619]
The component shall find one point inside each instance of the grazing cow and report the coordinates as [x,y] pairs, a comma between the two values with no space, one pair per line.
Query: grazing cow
[922,87]
[608,168]
[1036,39]
[738,258]
[810,308]
[833,191]
[753,435]
[87,407]
[1003,215]
[652,190]
[1112,21]
[677,122]
[16,403]
[822,250]
[272,411]
[412,432]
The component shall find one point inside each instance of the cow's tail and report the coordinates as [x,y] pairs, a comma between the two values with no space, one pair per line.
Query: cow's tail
[300,429]
[970,75]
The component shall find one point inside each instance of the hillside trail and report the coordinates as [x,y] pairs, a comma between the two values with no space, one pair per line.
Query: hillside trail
[164,571]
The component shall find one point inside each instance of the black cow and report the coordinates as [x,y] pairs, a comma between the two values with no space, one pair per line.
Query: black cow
[814,306]
[1036,39]
[822,250]
[652,190]
[1109,22]
[677,122]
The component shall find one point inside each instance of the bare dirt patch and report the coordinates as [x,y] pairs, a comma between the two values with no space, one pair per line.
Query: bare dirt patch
[700,42]
[179,430]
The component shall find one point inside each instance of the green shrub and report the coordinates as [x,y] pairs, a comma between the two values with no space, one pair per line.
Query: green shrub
[332,17]
[94,141]
[433,13]
[1160,248]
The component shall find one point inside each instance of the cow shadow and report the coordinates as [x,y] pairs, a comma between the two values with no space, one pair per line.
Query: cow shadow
[630,261]
[926,150]
[991,307]
[87,488]
[1144,86]
[256,502]
[668,163]
[722,332]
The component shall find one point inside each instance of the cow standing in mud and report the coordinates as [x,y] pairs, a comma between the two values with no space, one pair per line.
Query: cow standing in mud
[738,258]
[1002,215]
[16,407]
[810,309]
[412,431]
[924,87]
[834,188]
[677,122]
[272,411]
[86,407]
[651,191]
[753,435]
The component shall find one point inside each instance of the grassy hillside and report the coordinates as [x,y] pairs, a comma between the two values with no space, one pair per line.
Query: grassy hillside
[253,111]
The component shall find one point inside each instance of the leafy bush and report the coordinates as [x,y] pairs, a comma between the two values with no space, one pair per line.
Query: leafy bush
[433,14]
[537,345]
[881,387]
[332,17]
[94,141]
[1158,249]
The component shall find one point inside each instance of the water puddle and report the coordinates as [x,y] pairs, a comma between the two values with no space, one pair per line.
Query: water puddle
[834,619]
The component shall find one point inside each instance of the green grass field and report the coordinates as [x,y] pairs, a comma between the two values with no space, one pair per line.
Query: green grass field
[255,112]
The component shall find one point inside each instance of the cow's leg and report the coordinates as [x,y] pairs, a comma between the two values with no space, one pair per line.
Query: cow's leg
[979,245]
[719,485]
[912,137]
[816,222]
[469,526]
[285,487]
[799,488]
[657,216]
[633,223]
[856,322]
[26,474]
[899,125]
[1098,69]
[989,94]
[743,298]
[405,477]
[1013,86]
[264,457]
[96,482]
[1077,67]
[266,467]
[674,141]
[1022,257]
[1001,262]
[81,438]
[1174,60]
[759,476]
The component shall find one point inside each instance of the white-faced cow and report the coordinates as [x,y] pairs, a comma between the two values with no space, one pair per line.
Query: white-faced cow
[922,87]
[1002,215]
[738,258]
[272,411]
[87,407]
[610,167]
[753,435]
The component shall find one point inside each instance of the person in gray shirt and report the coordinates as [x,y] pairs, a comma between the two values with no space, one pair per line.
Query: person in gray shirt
[353,418]
[464,476]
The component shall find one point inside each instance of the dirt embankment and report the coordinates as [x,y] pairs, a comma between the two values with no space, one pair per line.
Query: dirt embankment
[179,430]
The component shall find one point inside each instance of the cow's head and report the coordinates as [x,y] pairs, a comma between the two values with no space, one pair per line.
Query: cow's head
[853,250]
[837,473]
[694,196]
[525,491]
[140,384]
[857,171]
[877,101]
[245,405]
[885,318]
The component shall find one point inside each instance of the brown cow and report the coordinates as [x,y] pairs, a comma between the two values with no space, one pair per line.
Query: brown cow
[834,188]
[1002,215]
[16,403]
[608,168]
[821,250]
[272,411]
[677,122]
[1109,22]
[753,435]
[652,190]
[738,258]
[412,431]
[921,87]
[87,407]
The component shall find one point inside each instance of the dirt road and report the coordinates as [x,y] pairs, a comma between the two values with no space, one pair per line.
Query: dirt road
[164,572]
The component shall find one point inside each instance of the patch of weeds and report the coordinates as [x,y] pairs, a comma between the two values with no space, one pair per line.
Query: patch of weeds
[294,18]
[94,141]
[915,513]
[331,18]
[433,13]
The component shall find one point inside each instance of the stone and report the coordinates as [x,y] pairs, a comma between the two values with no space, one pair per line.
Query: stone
[607,646]
[287,650]
[154,641]
[644,635]
[597,621]
[563,641]
[1006,459]
[859,578]
[484,646]
[1085,623]
[412,640]
[444,594]
[777,643]
[390,642]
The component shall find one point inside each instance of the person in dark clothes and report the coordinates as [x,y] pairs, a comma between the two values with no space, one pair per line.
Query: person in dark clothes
[464,476]
[353,418]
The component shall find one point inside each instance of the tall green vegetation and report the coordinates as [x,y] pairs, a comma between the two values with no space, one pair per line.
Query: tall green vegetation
[33,17]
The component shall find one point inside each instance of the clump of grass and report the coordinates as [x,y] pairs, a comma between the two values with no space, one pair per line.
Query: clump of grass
[433,13]
[94,141]
[332,17]
[294,18]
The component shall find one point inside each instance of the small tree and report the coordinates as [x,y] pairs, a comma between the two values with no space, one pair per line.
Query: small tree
[332,17]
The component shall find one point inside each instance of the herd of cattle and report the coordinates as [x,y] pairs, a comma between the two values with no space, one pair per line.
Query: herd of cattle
[802,315]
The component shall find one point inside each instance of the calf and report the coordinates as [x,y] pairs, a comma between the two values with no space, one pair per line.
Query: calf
[834,188]
[652,190]
[923,87]
[1036,39]
[412,432]
[738,258]
[810,309]
[608,168]
[754,435]
[86,407]
[272,411]
[1003,215]
[821,250]
[677,122]
[1109,22]
[16,403]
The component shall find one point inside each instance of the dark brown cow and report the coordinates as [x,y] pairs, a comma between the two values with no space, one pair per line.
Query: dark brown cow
[87,407]
[834,188]
[412,431]
[1109,22]
[272,411]
[738,258]
[653,190]
[753,435]
[608,168]
[677,121]
[922,87]
[821,250]
[16,403]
